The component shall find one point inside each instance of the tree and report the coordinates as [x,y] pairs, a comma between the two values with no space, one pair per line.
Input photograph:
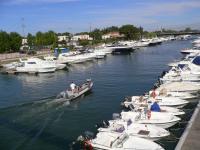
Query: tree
[188,29]
[83,42]
[110,29]
[4,42]
[130,32]
[15,41]
[31,40]
[96,35]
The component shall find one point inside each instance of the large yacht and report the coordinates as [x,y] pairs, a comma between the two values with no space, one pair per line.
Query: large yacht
[35,65]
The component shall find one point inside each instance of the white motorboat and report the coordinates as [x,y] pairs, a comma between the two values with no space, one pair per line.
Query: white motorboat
[164,109]
[59,66]
[150,132]
[180,87]
[121,49]
[105,49]
[11,66]
[121,141]
[138,101]
[197,41]
[181,95]
[192,50]
[163,120]
[75,57]
[35,65]
[99,54]
[171,110]
[180,73]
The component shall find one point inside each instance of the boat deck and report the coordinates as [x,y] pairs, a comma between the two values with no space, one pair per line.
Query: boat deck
[190,140]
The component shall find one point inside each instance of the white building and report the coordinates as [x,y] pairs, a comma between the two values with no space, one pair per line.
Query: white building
[81,37]
[112,35]
[24,41]
[63,38]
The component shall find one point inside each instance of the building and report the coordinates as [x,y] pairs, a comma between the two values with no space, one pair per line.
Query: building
[24,41]
[63,38]
[81,37]
[111,35]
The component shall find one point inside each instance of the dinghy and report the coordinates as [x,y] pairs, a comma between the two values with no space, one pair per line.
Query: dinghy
[70,95]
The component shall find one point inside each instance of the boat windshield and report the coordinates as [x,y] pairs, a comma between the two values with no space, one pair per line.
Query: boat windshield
[196,61]
[120,141]
[31,62]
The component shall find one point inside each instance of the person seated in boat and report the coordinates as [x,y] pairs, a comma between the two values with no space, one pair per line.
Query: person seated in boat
[73,86]
[155,107]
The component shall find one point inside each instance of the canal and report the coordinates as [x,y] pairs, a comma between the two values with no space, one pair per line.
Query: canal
[29,121]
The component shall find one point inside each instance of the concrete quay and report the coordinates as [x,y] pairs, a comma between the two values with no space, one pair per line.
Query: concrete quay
[190,140]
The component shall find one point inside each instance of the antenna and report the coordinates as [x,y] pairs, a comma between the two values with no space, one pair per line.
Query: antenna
[23,27]
[90,27]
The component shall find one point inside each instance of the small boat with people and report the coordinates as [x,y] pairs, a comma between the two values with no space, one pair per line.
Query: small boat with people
[75,91]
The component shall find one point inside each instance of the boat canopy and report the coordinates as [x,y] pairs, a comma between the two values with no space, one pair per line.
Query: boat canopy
[196,60]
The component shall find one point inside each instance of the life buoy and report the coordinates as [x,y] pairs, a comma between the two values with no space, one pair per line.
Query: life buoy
[149,114]
[87,145]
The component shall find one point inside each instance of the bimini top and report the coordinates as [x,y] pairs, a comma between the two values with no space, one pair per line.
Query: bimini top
[196,60]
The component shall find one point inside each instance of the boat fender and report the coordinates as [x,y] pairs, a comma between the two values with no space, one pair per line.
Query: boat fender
[149,114]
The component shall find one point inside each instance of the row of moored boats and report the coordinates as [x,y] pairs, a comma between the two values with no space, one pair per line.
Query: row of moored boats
[150,115]
[51,63]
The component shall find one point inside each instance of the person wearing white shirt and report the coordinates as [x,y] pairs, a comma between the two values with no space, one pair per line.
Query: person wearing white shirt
[73,86]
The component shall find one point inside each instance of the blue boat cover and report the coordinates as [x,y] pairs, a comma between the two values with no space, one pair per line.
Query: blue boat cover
[196,61]
[155,107]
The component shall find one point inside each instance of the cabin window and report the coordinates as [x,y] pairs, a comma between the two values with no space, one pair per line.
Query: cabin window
[196,61]
[31,62]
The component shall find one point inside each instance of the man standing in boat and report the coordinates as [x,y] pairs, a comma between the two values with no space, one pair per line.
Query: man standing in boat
[73,86]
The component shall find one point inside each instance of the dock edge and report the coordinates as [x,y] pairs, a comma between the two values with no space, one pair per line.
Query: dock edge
[187,129]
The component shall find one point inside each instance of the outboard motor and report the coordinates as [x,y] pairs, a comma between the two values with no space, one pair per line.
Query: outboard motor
[106,123]
[128,99]
[131,107]
[89,135]
[163,73]
[116,116]
[61,95]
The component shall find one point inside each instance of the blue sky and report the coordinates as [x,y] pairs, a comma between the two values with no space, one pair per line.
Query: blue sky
[79,15]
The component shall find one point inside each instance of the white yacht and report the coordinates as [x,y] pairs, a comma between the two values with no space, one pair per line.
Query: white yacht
[35,65]
[121,141]
[150,132]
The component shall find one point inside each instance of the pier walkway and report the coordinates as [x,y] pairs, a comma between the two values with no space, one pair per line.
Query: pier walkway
[190,139]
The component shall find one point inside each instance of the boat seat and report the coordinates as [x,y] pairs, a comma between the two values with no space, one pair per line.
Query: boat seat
[143,132]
